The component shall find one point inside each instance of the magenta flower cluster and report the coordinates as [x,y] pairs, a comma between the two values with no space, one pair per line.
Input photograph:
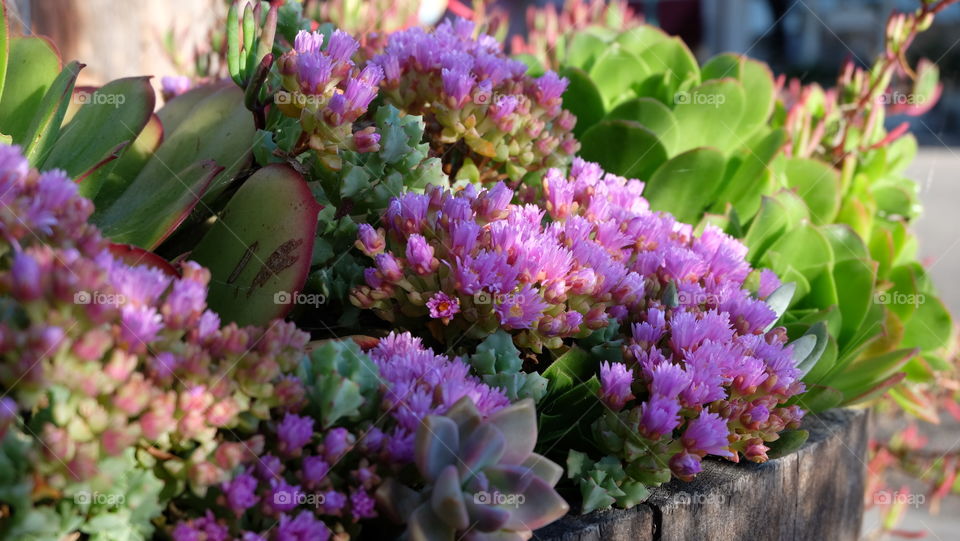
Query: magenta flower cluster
[309,478]
[469,263]
[476,94]
[328,92]
[138,359]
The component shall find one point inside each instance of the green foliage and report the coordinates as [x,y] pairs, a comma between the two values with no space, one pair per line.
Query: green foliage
[341,381]
[498,363]
[604,483]
[712,144]
[359,193]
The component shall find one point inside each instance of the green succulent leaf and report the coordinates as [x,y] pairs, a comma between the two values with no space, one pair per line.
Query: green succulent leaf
[45,125]
[259,251]
[583,99]
[651,114]
[710,115]
[686,184]
[818,184]
[113,115]
[32,66]
[605,143]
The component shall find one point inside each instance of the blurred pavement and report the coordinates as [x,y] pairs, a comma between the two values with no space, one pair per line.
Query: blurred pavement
[937,169]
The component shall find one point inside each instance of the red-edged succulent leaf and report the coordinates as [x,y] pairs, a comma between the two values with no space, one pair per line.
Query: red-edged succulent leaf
[145,217]
[259,250]
[135,255]
[111,181]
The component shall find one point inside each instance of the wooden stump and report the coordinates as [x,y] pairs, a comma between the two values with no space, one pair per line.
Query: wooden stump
[813,494]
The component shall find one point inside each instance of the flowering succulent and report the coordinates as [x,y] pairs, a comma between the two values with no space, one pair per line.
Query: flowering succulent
[481,476]
[328,92]
[499,122]
[358,194]
[352,428]
[491,264]
[103,357]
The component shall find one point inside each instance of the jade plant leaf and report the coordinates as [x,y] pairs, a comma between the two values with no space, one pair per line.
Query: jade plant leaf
[686,184]
[259,250]
[32,65]
[583,99]
[623,147]
[113,115]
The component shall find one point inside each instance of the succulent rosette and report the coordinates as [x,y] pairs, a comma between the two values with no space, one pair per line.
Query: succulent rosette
[483,480]
[499,122]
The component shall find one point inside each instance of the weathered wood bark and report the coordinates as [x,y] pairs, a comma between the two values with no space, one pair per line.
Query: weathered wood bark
[813,494]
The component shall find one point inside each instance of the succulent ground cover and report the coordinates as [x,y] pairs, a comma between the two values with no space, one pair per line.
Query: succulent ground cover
[366,287]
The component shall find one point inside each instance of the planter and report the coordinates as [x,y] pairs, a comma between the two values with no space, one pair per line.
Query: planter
[814,493]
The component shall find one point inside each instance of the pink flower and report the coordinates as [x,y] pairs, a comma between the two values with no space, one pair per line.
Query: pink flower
[443,306]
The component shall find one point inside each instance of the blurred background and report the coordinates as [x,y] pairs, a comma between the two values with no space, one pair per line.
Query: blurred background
[807,39]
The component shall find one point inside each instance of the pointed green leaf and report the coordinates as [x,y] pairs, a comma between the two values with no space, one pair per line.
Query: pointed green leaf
[779,300]
[45,126]
[32,66]
[113,115]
